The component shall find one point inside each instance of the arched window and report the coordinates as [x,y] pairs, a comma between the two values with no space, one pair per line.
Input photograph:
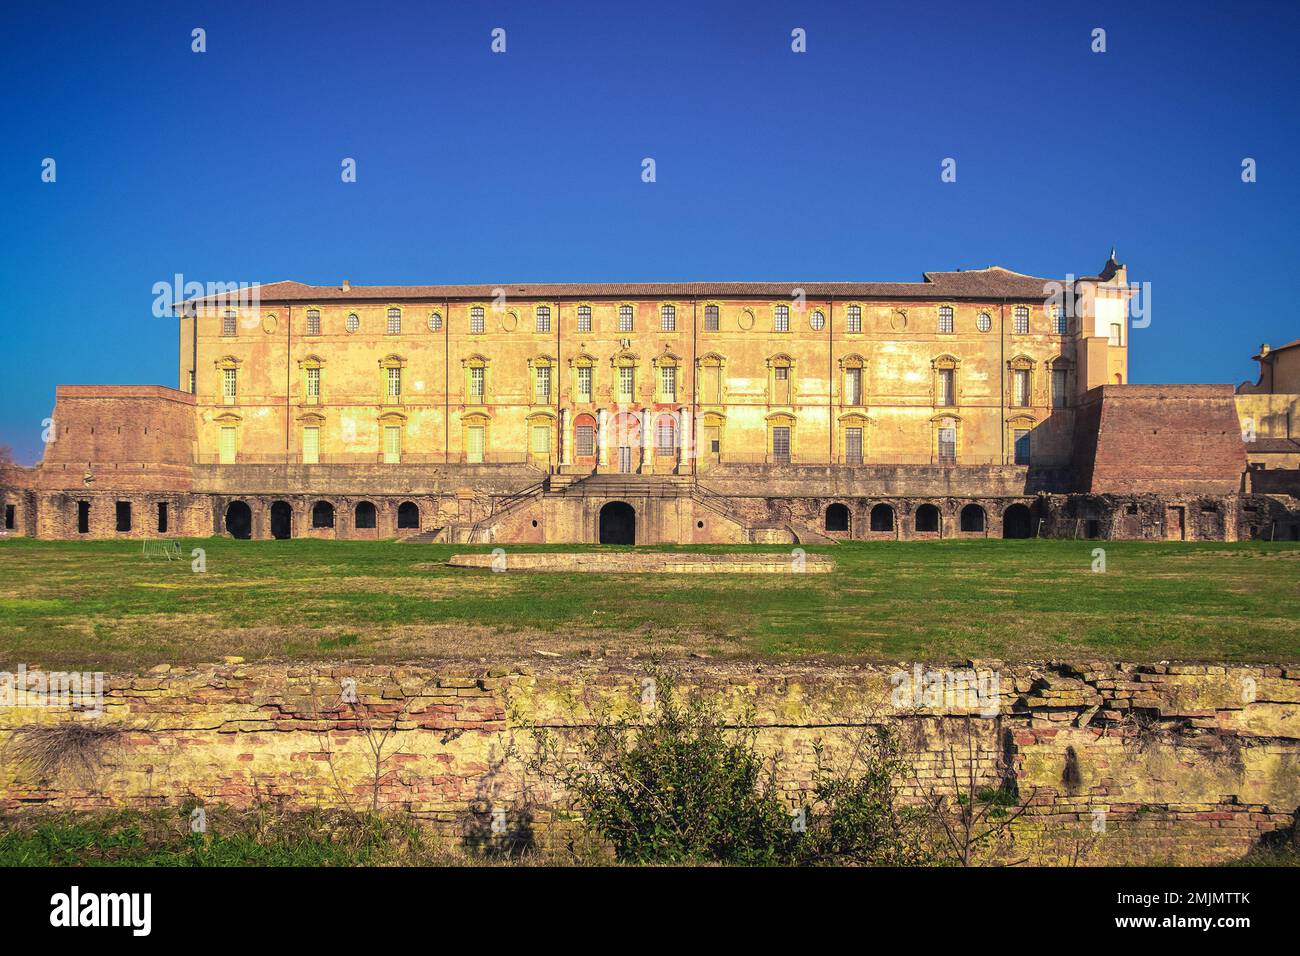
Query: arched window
[322,515]
[435,321]
[365,514]
[927,519]
[837,517]
[972,518]
[882,518]
[408,515]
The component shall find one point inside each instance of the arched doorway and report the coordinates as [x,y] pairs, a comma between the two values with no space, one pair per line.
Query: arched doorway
[837,517]
[927,519]
[239,520]
[972,518]
[617,523]
[408,516]
[281,520]
[365,515]
[882,518]
[1017,522]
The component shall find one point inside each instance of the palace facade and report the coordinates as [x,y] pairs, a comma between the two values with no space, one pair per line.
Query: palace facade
[983,402]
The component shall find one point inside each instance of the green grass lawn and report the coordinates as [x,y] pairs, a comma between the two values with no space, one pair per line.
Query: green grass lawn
[102,605]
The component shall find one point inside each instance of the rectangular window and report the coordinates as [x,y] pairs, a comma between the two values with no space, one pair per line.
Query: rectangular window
[394,321]
[853,386]
[124,516]
[162,517]
[311,445]
[781,381]
[475,440]
[626,383]
[855,319]
[392,444]
[584,383]
[541,443]
[542,394]
[710,318]
[585,440]
[227,446]
[853,446]
[83,517]
[313,383]
[945,319]
[394,383]
[668,381]
[1059,325]
[1020,387]
[228,322]
[781,319]
[1022,320]
[543,318]
[1021,438]
[229,382]
[946,390]
[665,438]
[625,318]
[476,378]
[1116,334]
[781,444]
[668,318]
[584,318]
[476,320]
[313,322]
[1058,388]
[948,444]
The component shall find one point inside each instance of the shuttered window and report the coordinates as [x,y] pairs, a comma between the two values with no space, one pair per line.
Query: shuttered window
[948,444]
[853,446]
[585,440]
[227,444]
[1020,387]
[392,443]
[474,441]
[311,445]
[781,444]
[853,386]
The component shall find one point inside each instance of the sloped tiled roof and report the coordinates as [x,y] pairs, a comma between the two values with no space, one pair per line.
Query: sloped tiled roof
[991,283]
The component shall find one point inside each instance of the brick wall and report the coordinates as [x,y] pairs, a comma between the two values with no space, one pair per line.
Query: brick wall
[1160,438]
[1185,763]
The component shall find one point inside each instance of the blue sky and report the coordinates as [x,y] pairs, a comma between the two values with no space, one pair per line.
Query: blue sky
[525,166]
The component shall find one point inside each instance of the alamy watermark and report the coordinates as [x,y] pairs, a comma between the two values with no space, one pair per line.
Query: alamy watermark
[953,690]
[78,690]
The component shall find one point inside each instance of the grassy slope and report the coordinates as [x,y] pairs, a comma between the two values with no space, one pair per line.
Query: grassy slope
[101,605]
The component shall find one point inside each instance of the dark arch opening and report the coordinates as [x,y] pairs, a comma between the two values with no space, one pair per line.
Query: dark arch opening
[617,523]
[281,520]
[322,515]
[239,520]
[837,518]
[408,515]
[927,518]
[882,518]
[365,514]
[972,518]
[1016,522]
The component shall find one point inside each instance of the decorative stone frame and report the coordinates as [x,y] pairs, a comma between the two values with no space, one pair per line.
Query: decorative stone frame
[945,420]
[390,361]
[846,421]
[318,363]
[1022,363]
[712,360]
[778,420]
[547,417]
[618,310]
[677,318]
[469,313]
[850,361]
[229,420]
[222,365]
[940,363]
[790,321]
[553,310]
[534,363]
[475,419]
[389,420]
[577,307]
[1014,422]
[582,360]
[938,313]
[312,419]
[477,361]
[774,362]
[1058,363]
[862,313]
[667,360]
[401,318]
[704,307]
[625,358]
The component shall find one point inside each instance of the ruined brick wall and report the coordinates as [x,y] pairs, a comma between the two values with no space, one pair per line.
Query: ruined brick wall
[121,437]
[1118,763]
[1159,439]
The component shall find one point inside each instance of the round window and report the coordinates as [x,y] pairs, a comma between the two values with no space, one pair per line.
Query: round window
[818,321]
[353,322]
[435,322]
[984,323]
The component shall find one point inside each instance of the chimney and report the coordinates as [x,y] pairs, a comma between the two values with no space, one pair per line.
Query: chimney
[347,286]
[1263,350]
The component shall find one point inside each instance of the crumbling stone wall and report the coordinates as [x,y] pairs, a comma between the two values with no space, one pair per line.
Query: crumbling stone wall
[1116,763]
